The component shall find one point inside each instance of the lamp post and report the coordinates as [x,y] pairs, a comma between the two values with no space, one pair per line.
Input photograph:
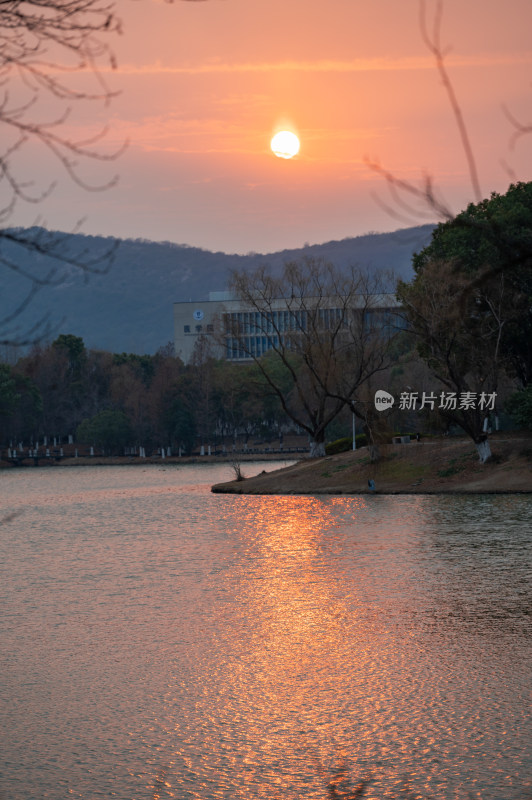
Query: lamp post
[354,424]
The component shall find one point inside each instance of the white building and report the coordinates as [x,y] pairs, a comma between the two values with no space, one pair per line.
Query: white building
[194,319]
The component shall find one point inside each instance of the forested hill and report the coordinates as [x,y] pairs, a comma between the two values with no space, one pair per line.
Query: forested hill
[129,308]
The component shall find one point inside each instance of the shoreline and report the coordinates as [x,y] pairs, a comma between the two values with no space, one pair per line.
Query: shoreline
[119,461]
[432,466]
[438,466]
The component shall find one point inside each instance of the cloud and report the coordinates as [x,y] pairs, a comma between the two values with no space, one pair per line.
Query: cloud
[328,65]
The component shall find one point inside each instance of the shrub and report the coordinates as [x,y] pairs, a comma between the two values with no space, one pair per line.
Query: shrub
[339,446]
[520,407]
[345,444]
[235,466]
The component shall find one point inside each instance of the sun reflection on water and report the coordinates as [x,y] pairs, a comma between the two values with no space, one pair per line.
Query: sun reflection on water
[317,679]
[221,647]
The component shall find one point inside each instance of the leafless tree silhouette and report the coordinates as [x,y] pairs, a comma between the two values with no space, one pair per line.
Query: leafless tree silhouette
[53,54]
[43,45]
[326,331]
[411,201]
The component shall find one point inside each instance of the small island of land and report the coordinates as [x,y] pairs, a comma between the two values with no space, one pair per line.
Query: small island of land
[431,466]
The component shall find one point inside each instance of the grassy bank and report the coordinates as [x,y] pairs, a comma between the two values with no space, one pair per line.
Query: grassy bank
[427,467]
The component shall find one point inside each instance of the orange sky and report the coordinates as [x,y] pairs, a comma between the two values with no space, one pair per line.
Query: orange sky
[204,85]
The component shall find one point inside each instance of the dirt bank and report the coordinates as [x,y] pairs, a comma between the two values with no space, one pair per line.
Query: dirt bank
[426,467]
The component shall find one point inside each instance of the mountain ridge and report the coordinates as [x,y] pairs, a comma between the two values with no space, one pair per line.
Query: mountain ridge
[129,307]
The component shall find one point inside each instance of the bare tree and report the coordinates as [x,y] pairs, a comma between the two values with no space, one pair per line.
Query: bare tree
[52,56]
[410,201]
[43,45]
[316,335]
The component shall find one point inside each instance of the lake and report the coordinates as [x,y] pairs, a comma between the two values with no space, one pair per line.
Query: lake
[160,641]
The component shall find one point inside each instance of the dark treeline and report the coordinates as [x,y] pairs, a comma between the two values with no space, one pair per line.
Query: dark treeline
[114,401]
[461,346]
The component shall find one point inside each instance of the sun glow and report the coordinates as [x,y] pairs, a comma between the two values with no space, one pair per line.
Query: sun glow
[285,144]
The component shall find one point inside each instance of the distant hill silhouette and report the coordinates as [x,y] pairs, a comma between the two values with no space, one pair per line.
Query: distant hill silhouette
[130,307]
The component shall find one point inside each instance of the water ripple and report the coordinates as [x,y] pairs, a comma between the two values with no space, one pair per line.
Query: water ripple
[159,641]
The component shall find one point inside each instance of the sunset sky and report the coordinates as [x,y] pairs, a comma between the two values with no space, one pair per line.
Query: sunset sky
[204,86]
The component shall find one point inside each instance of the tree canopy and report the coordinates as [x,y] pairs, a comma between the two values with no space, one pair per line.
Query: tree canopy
[488,238]
[470,304]
[109,429]
[489,246]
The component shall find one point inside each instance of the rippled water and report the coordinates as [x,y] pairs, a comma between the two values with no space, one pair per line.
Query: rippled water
[159,641]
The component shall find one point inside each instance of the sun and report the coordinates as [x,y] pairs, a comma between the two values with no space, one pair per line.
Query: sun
[285,144]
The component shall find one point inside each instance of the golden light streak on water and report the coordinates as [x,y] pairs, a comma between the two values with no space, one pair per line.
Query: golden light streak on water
[160,641]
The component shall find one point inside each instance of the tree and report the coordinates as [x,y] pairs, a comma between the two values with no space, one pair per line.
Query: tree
[74,349]
[180,423]
[20,406]
[201,376]
[48,368]
[44,46]
[129,382]
[325,333]
[485,252]
[8,392]
[490,244]
[461,342]
[233,398]
[109,430]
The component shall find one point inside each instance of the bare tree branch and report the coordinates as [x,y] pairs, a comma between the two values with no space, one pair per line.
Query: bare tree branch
[433,43]
[520,128]
[426,192]
[44,45]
